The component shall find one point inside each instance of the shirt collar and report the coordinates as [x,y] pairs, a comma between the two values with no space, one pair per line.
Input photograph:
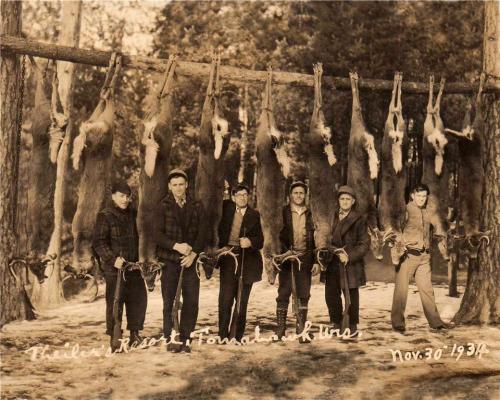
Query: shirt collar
[181,201]
[298,209]
[241,210]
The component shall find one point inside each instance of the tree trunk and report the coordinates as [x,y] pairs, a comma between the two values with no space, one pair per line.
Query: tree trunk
[49,293]
[11,305]
[481,301]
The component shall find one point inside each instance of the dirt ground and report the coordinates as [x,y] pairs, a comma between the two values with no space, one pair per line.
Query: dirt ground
[381,364]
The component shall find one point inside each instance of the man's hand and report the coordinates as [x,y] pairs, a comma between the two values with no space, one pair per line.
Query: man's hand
[119,262]
[187,261]
[182,248]
[315,270]
[245,243]
[343,257]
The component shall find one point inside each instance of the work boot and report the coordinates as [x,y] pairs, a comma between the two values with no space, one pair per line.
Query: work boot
[336,328]
[135,338]
[281,322]
[303,316]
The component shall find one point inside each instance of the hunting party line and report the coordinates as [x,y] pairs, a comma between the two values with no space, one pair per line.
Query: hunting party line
[43,352]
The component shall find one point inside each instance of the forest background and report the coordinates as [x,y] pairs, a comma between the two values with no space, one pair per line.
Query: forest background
[374,38]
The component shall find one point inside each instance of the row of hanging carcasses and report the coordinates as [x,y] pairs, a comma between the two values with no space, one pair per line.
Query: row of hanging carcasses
[95,140]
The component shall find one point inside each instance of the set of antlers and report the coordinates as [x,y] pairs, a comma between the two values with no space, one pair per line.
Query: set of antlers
[212,258]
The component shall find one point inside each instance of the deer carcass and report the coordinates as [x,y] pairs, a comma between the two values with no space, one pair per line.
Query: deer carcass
[155,156]
[471,171]
[323,177]
[362,168]
[272,168]
[213,140]
[394,149]
[435,166]
[42,173]
[95,141]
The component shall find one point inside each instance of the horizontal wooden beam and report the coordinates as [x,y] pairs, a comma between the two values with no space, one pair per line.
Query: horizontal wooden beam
[234,74]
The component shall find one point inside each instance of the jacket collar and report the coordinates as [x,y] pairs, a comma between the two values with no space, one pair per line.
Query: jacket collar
[348,221]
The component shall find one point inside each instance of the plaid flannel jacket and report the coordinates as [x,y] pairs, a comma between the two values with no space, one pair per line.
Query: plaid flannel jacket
[170,229]
[115,234]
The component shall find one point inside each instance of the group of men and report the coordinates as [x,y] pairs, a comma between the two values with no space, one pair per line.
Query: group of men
[181,237]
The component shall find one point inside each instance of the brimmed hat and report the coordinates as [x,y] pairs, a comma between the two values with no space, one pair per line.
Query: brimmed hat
[240,186]
[298,183]
[346,190]
[175,173]
[121,186]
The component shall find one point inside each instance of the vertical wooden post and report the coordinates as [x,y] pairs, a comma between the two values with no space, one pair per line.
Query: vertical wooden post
[11,306]
[481,301]
[49,293]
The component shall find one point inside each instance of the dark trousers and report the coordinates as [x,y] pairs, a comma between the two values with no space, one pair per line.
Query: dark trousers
[133,295]
[190,297]
[333,297]
[302,282]
[228,296]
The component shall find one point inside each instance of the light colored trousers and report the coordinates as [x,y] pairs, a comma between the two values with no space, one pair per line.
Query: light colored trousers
[420,267]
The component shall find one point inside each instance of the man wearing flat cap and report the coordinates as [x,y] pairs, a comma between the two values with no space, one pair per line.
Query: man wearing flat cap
[239,228]
[115,241]
[297,234]
[179,241]
[349,232]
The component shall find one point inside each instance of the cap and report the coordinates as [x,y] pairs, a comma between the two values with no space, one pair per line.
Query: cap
[175,173]
[121,186]
[298,183]
[346,190]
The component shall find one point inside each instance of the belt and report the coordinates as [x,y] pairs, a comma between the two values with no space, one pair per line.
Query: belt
[416,252]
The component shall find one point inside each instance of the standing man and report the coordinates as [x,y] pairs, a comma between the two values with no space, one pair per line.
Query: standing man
[116,241]
[239,227]
[179,240]
[350,233]
[417,234]
[297,234]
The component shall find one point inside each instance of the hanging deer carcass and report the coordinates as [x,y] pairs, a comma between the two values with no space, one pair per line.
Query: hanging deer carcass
[362,168]
[155,157]
[436,170]
[95,141]
[471,172]
[42,173]
[392,206]
[323,176]
[272,168]
[213,140]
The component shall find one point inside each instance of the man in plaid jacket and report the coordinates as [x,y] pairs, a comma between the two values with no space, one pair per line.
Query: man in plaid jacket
[180,239]
[116,241]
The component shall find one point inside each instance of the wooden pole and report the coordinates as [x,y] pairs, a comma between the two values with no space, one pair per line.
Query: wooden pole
[233,74]
[49,293]
[11,304]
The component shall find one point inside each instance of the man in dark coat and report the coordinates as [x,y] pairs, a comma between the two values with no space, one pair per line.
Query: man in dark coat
[240,228]
[350,233]
[116,241]
[297,234]
[180,239]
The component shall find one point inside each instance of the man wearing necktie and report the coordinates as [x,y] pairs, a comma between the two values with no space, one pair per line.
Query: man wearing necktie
[350,233]
[297,234]
[239,228]
[179,240]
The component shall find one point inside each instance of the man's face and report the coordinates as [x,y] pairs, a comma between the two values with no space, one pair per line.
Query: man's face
[420,198]
[178,186]
[346,201]
[121,200]
[298,196]
[241,198]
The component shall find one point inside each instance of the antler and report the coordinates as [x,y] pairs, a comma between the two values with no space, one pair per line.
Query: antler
[213,257]
[278,259]
[327,251]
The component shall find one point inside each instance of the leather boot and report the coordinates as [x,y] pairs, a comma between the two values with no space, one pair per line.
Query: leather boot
[281,322]
[135,338]
[303,317]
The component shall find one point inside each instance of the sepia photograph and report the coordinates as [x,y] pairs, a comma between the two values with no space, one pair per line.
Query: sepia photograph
[246,200]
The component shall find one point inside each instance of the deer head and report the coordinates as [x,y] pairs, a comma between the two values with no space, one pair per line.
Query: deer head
[378,239]
[149,270]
